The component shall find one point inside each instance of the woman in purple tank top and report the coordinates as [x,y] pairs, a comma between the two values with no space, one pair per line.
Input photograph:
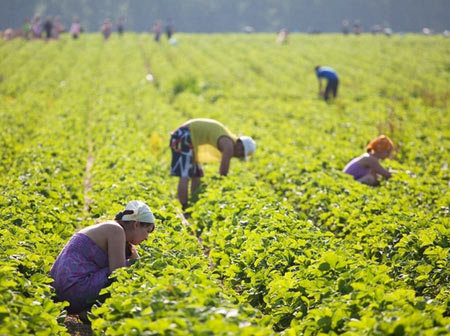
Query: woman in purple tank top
[366,168]
[82,268]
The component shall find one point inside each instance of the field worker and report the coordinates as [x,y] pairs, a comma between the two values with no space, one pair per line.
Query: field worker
[82,268]
[324,72]
[204,140]
[36,27]
[169,28]
[282,37]
[157,30]
[75,29]
[58,28]
[106,29]
[48,27]
[366,168]
[120,25]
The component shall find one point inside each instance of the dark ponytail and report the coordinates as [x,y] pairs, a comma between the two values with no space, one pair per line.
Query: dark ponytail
[128,246]
[128,250]
[120,215]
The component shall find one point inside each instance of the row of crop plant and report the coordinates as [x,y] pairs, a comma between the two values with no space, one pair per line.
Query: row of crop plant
[41,196]
[171,289]
[287,232]
[99,113]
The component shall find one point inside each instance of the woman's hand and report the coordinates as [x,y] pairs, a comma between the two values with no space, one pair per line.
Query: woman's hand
[134,254]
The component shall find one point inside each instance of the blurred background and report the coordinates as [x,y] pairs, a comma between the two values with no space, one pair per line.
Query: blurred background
[210,16]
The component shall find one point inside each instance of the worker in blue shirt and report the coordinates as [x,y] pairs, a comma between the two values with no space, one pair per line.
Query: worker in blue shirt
[332,81]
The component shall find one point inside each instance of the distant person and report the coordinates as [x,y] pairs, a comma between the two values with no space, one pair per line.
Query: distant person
[9,34]
[48,26]
[106,29]
[58,28]
[387,31]
[157,30]
[282,37]
[169,28]
[366,168]
[120,26]
[26,28]
[249,29]
[82,268]
[75,29]
[345,27]
[204,140]
[377,29]
[325,72]
[427,31]
[36,27]
[356,29]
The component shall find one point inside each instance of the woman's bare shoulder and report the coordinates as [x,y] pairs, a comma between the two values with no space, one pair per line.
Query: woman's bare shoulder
[366,158]
[105,227]
[102,233]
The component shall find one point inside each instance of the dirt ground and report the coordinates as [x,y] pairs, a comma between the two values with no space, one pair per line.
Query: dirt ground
[77,328]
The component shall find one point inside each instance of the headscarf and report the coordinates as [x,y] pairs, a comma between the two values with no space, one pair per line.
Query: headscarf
[380,143]
[140,212]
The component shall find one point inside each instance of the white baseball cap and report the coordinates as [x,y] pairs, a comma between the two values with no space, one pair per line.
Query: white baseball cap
[249,145]
[141,212]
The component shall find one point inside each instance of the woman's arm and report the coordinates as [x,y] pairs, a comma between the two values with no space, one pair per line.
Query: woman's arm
[376,167]
[226,146]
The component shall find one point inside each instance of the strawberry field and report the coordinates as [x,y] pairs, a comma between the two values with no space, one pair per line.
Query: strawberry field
[286,243]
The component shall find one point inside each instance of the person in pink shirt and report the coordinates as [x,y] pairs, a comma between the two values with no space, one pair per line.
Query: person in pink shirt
[106,29]
[75,29]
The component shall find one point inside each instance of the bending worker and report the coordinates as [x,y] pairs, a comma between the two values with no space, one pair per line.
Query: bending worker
[366,168]
[204,140]
[332,81]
